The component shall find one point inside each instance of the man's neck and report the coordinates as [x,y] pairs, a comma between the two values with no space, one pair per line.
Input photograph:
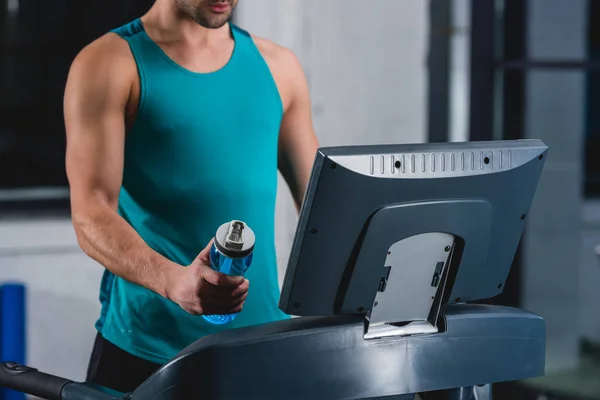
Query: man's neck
[178,27]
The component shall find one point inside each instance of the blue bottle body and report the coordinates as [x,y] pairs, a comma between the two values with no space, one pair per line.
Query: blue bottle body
[229,266]
[234,266]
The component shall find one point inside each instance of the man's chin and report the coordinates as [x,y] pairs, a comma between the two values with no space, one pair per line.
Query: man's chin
[213,23]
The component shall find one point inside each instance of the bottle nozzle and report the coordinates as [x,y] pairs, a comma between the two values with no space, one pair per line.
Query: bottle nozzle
[235,235]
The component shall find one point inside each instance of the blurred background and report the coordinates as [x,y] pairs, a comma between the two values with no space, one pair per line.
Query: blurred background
[384,71]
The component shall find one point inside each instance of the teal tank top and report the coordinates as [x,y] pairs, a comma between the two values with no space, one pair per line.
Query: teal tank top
[202,151]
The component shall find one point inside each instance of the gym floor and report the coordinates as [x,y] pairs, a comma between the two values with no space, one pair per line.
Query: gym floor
[581,383]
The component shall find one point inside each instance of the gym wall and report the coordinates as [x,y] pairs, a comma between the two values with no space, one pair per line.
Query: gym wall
[366,68]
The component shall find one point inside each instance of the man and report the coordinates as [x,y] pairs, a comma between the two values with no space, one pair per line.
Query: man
[177,123]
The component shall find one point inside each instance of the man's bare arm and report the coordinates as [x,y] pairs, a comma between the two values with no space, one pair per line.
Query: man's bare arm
[96,96]
[298,143]
[95,101]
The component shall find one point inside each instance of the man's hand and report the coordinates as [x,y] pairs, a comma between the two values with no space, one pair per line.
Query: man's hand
[199,289]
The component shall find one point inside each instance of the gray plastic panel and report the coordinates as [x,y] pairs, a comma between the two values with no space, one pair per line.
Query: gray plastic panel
[436,160]
[467,219]
[327,358]
[343,196]
[422,257]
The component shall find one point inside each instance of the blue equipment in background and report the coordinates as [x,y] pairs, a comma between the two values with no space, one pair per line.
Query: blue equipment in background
[12,330]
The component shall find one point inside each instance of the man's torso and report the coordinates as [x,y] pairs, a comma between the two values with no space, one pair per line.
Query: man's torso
[200,150]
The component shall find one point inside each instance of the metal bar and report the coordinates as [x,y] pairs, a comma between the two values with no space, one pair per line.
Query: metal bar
[548,64]
[514,48]
[481,116]
[513,116]
[438,101]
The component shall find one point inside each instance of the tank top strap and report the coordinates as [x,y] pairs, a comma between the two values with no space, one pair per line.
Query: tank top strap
[243,40]
[130,29]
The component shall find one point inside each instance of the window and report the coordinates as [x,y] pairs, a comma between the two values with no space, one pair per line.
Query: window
[592,116]
[38,41]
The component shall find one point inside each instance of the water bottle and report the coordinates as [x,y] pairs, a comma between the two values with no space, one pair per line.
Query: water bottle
[231,254]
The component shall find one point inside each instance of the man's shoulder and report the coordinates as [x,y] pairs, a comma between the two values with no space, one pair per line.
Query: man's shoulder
[104,67]
[275,53]
[109,50]
[268,46]
[284,64]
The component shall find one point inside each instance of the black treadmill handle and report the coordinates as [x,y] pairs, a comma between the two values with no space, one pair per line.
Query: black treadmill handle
[22,378]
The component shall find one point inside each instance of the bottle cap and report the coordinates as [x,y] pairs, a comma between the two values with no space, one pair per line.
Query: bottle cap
[235,239]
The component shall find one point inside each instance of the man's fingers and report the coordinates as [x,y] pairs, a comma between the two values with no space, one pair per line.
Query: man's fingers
[223,310]
[212,305]
[209,301]
[224,292]
[215,292]
[204,255]
[241,289]
[221,280]
[239,299]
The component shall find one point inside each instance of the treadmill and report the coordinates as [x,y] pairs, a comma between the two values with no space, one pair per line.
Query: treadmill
[393,246]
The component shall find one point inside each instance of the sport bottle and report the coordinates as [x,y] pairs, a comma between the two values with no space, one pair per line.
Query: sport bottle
[231,254]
